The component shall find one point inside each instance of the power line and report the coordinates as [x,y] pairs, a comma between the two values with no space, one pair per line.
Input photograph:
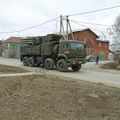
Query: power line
[102,32]
[93,11]
[93,23]
[28,28]
[88,27]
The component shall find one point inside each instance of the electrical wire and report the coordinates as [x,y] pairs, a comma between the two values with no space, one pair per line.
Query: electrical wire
[88,27]
[93,11]
[28,28]
[97,24]
[102,32]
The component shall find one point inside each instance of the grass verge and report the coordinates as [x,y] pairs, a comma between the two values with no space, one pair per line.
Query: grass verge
[111,65]
[11,69]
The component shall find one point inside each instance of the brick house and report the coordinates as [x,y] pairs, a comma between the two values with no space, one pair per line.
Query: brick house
[94,46]
[11,47]
[102,49]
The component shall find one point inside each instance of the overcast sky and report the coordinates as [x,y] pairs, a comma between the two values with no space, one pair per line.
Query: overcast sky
[20,14]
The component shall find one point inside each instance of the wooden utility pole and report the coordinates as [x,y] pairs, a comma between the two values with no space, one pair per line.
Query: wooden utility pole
[62,31]
[67,22]
[68,27]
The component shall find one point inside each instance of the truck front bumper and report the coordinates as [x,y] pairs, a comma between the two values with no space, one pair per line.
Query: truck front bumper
[75,61]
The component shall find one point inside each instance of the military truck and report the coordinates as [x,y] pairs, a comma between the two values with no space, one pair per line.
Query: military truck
[52,51]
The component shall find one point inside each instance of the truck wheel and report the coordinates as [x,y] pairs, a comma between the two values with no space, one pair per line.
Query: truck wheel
[49,64]
[31,61]
[62,65]
[76,67]
[25,61]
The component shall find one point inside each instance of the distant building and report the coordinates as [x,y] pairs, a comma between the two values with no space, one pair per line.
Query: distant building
[94,46]
[11,47]
[1,47]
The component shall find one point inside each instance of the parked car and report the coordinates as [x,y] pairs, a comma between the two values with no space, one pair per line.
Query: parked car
[90,58]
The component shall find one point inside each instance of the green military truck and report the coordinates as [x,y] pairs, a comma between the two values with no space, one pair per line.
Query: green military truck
[51,51]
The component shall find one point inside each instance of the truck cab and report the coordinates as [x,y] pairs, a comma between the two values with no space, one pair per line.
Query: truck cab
[72,54]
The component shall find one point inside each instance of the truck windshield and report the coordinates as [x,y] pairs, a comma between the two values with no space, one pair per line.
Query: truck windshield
[76,45]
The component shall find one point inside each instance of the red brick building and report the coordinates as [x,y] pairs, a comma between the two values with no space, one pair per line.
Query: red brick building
[94,46]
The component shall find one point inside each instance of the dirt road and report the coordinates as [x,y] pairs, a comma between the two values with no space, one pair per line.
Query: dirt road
[89,72]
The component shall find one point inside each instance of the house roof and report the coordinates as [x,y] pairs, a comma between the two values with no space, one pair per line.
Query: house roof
[13,40]
[81,30]
[103,41]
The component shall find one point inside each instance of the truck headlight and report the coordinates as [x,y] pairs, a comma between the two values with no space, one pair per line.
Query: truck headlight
[67,52]
[80,62]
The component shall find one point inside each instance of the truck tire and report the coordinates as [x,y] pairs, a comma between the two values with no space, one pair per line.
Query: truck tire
[31,62]
[49,64]
[25,61]
[76,67]
[62,65]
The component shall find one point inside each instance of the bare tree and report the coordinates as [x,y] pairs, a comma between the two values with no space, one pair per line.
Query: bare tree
[116,38]
[116,30]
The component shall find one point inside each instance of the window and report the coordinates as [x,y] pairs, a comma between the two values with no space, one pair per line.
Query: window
[66,45]
[105,45]
[85,40]
[91,41]
[76,45]
[99,45]
[8,45]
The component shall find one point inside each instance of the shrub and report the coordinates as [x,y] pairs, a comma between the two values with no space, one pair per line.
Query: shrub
[111,65]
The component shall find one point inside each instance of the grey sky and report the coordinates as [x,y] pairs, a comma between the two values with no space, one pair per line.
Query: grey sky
[19,14]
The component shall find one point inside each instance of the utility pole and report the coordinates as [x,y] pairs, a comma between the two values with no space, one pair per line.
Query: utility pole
[62,31]
[68,27]
[60,24]
[67,22]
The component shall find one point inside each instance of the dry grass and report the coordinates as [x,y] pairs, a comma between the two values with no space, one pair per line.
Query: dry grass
[52,98]
[111,65]
[11,69]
